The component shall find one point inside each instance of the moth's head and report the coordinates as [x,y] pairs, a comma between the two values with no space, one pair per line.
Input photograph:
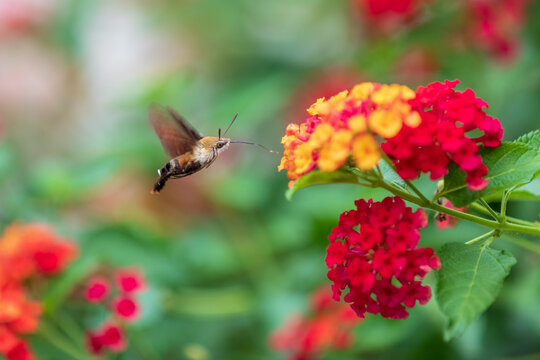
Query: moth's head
[217,143]
[222,144]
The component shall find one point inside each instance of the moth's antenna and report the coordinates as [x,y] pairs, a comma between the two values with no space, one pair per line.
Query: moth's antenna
[252,143]
[219,133]
[234,118]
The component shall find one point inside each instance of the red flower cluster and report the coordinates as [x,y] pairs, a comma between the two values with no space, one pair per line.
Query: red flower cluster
[120,301]
[27,252]
[388,15]
[447,118]
[18,315]
[381,253]
[330,327]
[443,221]
[495,25]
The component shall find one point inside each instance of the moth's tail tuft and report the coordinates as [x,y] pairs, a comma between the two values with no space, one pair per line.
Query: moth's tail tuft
[160,183]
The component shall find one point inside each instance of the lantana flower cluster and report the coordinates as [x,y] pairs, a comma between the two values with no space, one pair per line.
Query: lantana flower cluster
[346,125]
[378,259]
[28,254]
[495,25]
[448,116]
[116,291]
[330,326]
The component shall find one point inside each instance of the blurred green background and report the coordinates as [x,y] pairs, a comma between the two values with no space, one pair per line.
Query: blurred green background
[227,257]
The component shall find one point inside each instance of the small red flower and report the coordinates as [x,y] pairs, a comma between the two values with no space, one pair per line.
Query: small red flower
[113,338]
[97,289]
[109,336]
[126,308]
[307,337]
[442,221]
[93,343]
[130,280]
[378,252]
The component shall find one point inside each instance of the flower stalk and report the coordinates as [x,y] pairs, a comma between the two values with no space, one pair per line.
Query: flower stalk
[502,226]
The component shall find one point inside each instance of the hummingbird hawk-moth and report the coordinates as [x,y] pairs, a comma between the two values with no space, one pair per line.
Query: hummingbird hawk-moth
[189,151]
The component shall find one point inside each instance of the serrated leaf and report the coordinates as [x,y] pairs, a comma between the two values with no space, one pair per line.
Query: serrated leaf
[470,279]
[531,139]
[509,165]
[317,177]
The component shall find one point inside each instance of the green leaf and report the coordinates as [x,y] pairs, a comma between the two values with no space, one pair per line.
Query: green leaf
[317,177]
[510,164]
[530,191]
[531,139]
[390,175]
[470,279]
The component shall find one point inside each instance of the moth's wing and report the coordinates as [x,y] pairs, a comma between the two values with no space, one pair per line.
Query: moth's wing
[184,124]
[176,137]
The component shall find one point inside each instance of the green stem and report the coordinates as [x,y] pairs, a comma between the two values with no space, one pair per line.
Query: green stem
[489,209]
[524,243]
[522,222]
[409,184]
[379,171]
[504,203]
[480,208]
[534,230]
[481,237]
[70,328]
[53,337]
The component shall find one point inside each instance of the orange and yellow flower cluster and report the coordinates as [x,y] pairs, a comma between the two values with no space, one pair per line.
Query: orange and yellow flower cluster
[27,253]
[347,125]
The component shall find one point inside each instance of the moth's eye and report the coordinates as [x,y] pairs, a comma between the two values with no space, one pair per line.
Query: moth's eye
[220,145]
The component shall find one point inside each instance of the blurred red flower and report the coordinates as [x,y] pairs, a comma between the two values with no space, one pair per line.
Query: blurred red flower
[388,15]
[308,337]
[126,308]
[97,289]
[26,251]
[119,301]
[130,280]
[17,16]
[495,25]
[109,336]
[20,352]
[34,249]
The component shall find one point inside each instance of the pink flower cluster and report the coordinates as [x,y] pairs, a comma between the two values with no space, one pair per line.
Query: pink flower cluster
[443,135]
[379,249]
[120,301]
